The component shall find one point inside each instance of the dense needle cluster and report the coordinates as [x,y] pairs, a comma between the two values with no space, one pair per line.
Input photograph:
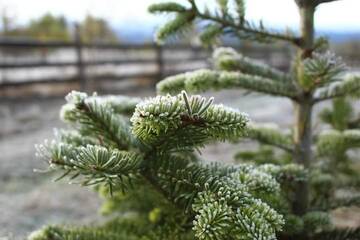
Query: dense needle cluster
[154,149]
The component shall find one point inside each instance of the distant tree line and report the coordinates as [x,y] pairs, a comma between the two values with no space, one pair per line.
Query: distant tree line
[51,27]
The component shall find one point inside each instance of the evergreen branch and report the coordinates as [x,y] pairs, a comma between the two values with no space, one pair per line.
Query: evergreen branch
[334,142]
[340,114]
[323,68]
[213,221]
[240,9]
[244,28]
[74,138]
[129,228]
[228,59]
[202,80]
[167,124]
[211,33]
[218,210]
[270,136]
[121,104]
[182,181]
[94,163]
[315,221]
[59,233]
[285,174]
[154,182]
[218,24]
[256,228]
[350,85]
[166,7]
[318,2]
[179,123]
[98,120]
[257,180]
[215,197]
[254,220]
[175,26]
[173,84]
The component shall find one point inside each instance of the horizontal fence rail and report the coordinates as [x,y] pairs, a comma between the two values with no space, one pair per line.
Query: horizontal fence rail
[87,56]
[30,62]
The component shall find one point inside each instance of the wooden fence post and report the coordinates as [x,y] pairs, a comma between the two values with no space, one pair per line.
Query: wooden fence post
[79,58]
[159,62]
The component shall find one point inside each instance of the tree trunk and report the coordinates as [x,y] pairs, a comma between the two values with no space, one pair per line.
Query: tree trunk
[303,111]
[303,154]
[303,108]
[307,10]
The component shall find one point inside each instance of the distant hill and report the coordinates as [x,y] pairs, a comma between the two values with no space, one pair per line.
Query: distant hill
[140,33]
[135,33]
[339,37]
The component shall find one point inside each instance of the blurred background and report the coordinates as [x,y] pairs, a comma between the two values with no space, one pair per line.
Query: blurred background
[48,48]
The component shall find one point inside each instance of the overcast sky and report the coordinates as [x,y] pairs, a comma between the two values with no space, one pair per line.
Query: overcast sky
[336,16]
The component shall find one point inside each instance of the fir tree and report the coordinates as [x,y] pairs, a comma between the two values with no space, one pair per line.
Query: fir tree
[141,154]
[316,76]
[145,166]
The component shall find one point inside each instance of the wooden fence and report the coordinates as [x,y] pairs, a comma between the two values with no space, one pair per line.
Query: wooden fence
[81,63]
[90,61]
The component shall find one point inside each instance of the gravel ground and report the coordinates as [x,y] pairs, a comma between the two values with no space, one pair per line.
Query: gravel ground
[30,200]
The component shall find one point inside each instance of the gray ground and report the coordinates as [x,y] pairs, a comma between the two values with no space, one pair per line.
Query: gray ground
[30,200]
